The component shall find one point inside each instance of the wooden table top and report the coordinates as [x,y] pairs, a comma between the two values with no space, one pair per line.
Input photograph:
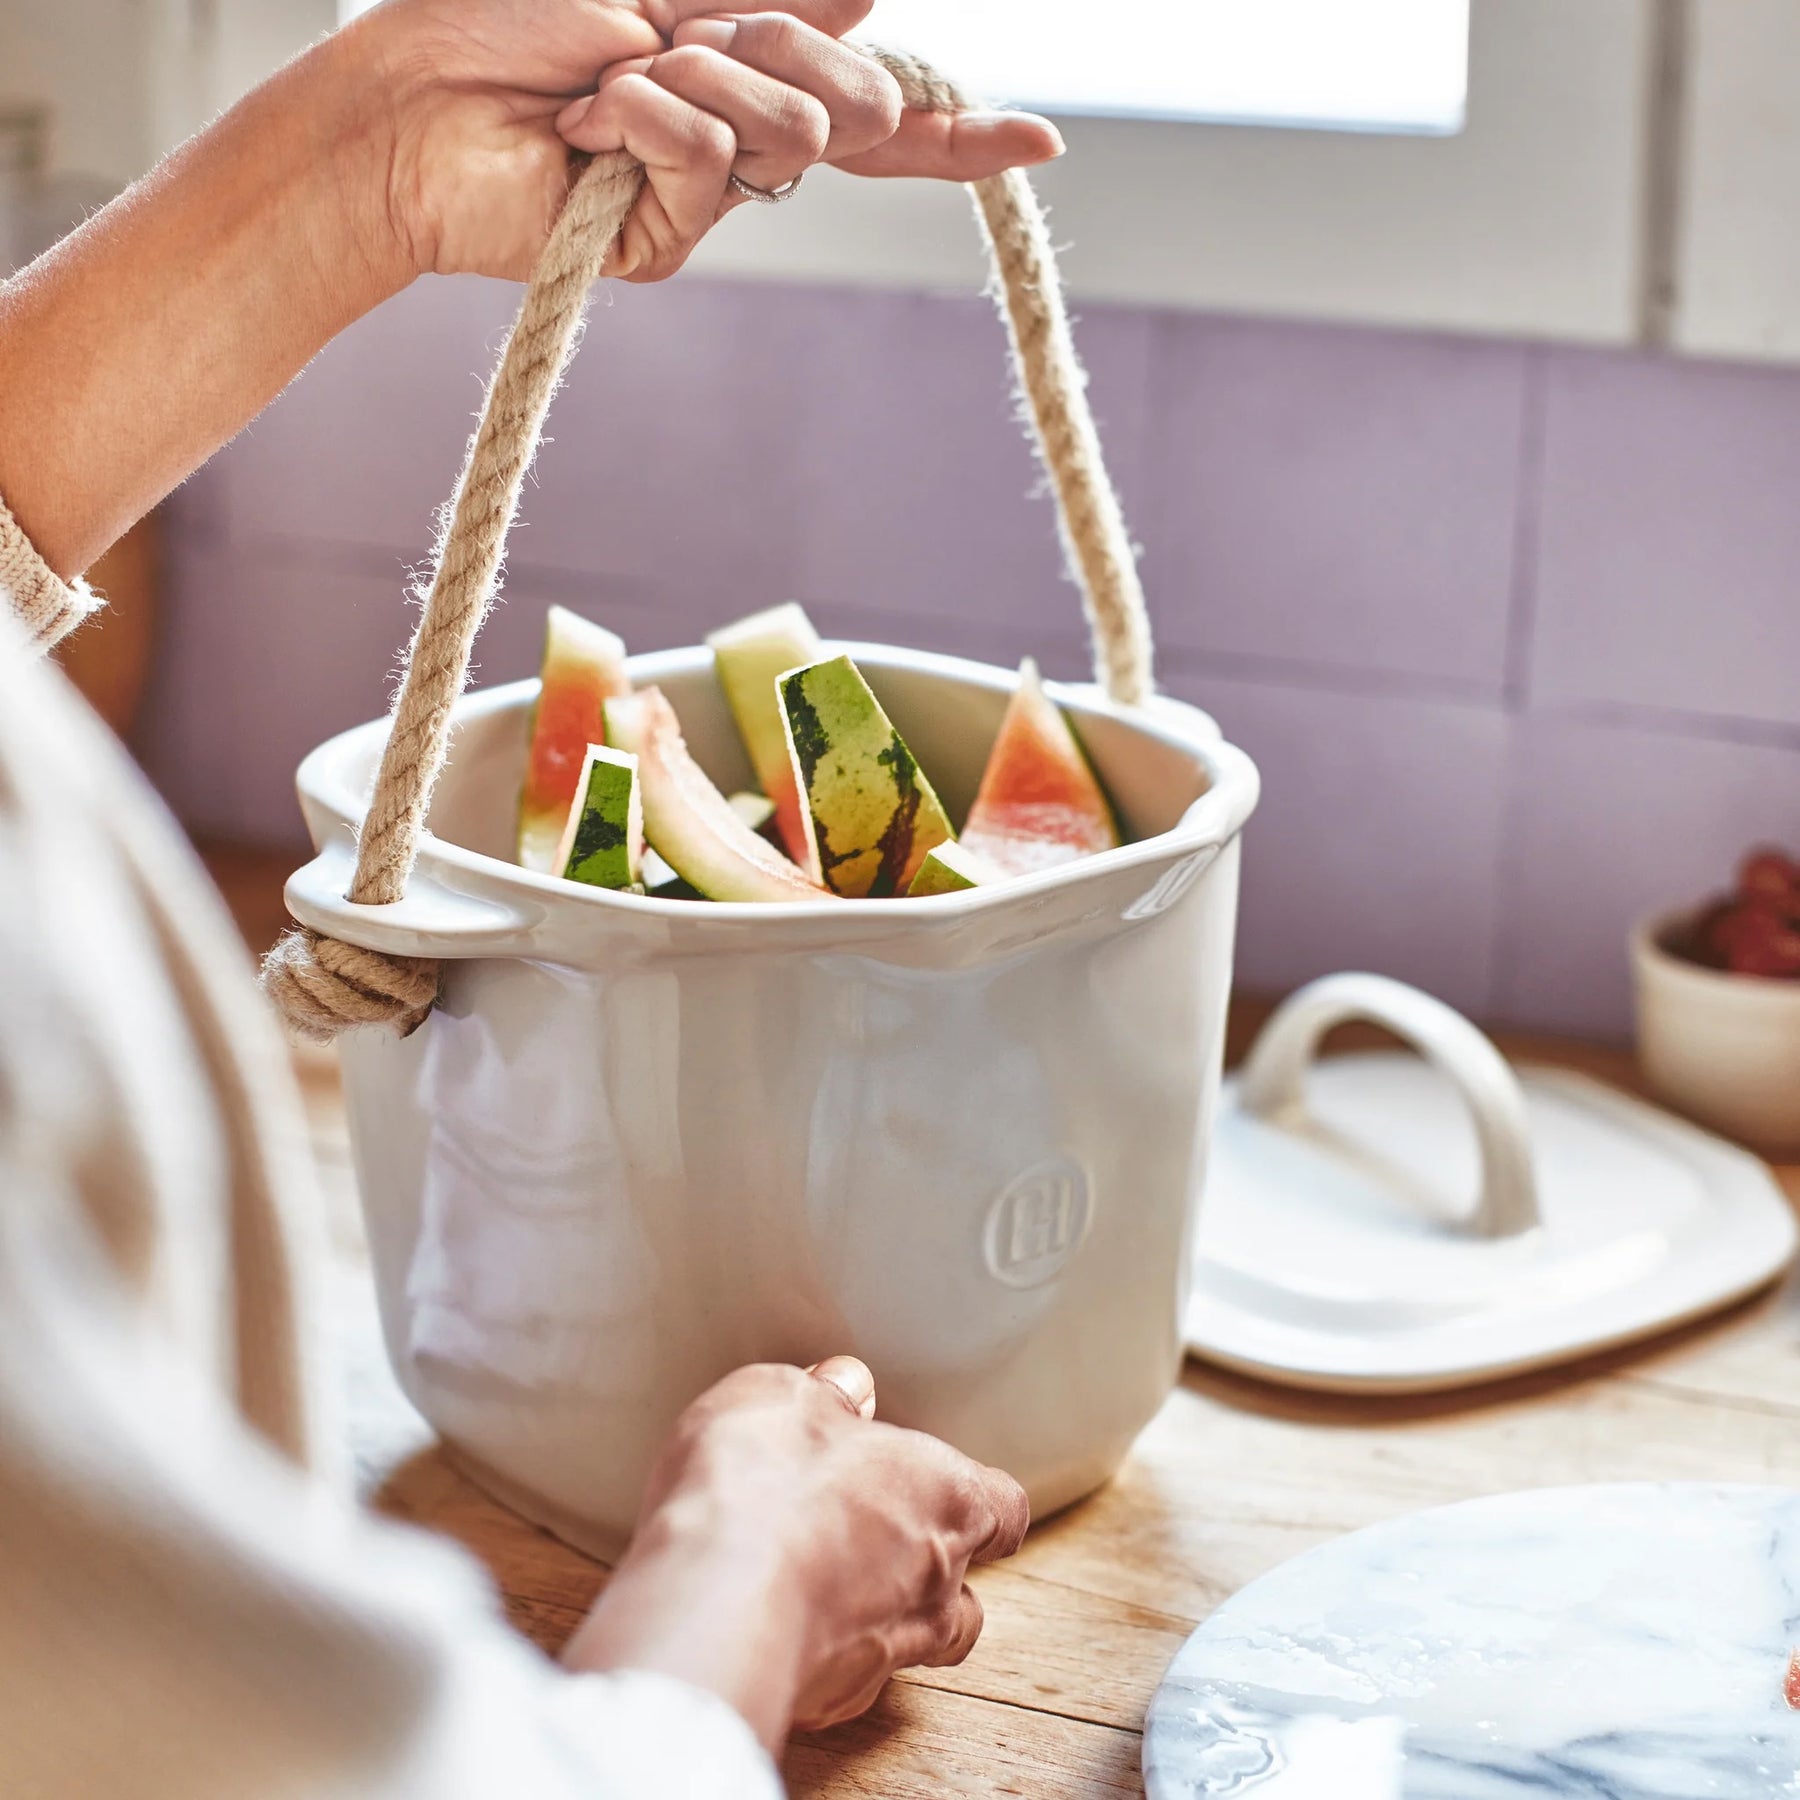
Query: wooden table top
[1232,1478]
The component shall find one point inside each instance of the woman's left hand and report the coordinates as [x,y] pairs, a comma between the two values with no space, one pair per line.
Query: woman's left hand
[485,100]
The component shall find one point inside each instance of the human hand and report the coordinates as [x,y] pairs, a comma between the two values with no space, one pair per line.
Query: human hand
[793,1554]
[482,101]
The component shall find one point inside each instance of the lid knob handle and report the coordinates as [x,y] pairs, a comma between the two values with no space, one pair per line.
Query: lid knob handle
[1273,1083]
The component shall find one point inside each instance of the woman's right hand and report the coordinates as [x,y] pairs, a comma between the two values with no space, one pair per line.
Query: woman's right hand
[473,108]
[793,1554]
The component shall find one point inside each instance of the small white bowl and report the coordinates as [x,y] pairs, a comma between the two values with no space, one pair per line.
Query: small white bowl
[1723,1048]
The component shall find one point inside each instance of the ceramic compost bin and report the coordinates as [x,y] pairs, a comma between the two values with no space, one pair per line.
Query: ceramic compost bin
[643,1142]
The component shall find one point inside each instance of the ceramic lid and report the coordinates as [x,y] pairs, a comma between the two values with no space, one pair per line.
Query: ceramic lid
[1402,1222]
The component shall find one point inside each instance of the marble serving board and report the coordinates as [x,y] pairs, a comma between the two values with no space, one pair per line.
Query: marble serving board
[1612,1643]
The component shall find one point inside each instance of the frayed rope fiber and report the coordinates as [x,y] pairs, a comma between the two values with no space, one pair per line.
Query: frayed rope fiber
[323,987]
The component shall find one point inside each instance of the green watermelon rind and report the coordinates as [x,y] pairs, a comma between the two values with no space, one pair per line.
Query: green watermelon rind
[583,666]
[951,868]
[872,815]
[602,844]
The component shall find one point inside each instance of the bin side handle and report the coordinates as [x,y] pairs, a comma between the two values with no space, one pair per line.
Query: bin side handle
[431,919]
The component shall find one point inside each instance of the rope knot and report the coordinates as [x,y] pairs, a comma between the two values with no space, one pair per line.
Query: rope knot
[323,987]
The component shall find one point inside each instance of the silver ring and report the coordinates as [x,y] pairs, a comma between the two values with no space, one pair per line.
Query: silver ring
[768,196]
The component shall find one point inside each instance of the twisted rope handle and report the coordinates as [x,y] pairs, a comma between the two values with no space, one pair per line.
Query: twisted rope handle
[1054,386]
[323,986]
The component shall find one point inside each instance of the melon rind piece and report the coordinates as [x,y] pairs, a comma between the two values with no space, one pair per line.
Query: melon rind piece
[952,868]
[871,816]
[756,810]
[1040,804]
[688,821]
[584,667]
[751,656]
[602,844]
[657,873]
[662,883]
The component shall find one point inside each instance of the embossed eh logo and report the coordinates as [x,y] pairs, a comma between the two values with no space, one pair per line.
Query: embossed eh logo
[1038,1223]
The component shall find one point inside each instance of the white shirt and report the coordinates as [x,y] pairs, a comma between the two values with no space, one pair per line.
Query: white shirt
[190,1604]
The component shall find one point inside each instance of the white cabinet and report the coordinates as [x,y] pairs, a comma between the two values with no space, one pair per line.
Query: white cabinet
[1738,202]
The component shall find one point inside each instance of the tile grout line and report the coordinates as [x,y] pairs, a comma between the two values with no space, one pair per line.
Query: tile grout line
[1528,519]
[1351,682]
[1504,948]
[551,581]
[1672,721]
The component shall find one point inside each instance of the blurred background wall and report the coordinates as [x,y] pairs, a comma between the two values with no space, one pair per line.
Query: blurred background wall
[1494,577]
[1510,629]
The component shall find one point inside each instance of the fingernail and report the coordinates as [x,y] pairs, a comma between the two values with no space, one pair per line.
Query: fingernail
[852,1379]
[715,34]
[1006,125]
[569,119]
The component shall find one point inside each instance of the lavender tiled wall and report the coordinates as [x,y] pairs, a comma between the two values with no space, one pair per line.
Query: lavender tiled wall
[1509,629]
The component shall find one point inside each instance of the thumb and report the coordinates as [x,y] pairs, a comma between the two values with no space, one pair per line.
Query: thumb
[853,1380]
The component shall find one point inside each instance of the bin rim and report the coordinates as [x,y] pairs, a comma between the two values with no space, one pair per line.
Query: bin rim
[335,811]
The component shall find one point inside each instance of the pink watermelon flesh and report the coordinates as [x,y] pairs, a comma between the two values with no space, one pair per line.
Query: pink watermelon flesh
[584,667]
[1040,804]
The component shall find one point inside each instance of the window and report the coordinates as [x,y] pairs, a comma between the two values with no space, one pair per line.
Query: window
[1485,171]
[1349,65]
[1361,65]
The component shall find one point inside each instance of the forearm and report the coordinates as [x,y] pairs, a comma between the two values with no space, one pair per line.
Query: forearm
[146,340]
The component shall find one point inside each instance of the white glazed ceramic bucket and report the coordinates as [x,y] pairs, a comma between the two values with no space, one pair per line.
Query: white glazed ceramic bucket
[642,1142]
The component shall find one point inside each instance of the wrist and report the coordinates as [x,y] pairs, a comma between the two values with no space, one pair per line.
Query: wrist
[353,93]
[699,1597]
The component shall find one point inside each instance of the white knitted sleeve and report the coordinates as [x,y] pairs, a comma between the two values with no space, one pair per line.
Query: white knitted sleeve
[184,1615]
[48,607]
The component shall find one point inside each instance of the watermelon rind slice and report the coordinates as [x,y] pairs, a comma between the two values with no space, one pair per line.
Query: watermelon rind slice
[952,868]
[871,814]
[756,810]
[750,657]
[602,844]
[689,823]
[584,667]
[1040,804]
